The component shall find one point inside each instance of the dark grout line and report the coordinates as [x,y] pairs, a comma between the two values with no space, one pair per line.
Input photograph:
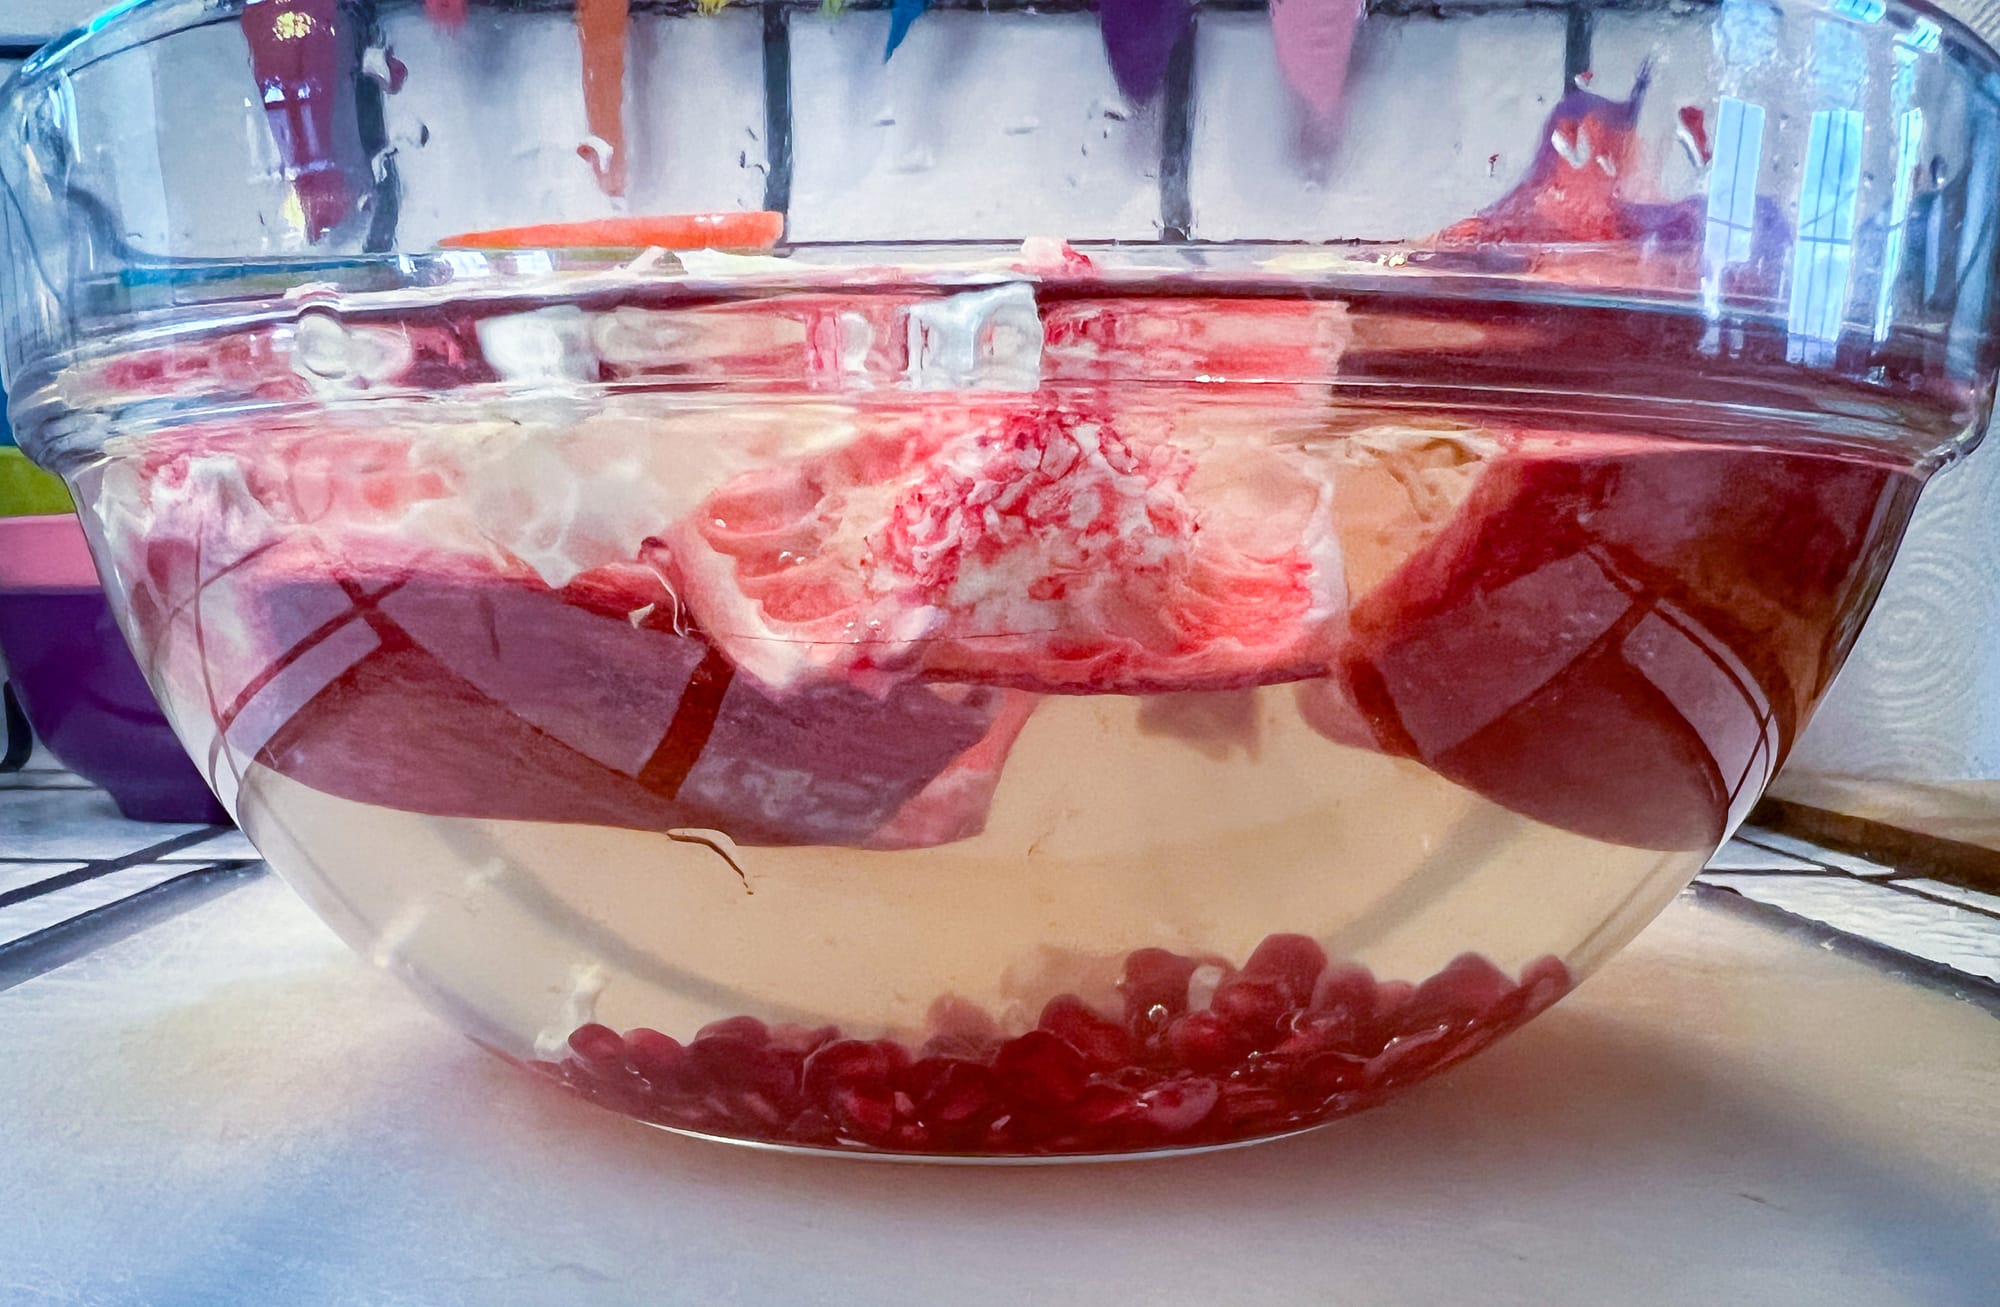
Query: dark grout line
[1916,893]
[1900,965]
[1177,140]
[777,108]
[1908,853]
[1754,842]
[45,950]
[105,866]
[1576,45]
[12,861]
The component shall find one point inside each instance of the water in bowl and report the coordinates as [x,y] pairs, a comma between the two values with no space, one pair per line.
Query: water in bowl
[1050,716]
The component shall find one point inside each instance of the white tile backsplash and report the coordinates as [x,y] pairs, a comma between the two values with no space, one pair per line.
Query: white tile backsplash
[694,120]
[983,126]
[1255,175]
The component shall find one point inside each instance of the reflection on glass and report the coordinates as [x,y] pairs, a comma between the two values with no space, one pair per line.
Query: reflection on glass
[1920,40]
[1824,254]
[1732,194]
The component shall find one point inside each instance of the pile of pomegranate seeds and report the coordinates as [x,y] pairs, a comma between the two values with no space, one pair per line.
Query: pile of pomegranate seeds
[1203,1053]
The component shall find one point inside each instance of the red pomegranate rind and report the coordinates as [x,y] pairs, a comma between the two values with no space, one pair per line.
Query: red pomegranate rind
[325,646]
[536,709]
[1618,646]
[954,805]
[1015,543]
[1081,1082]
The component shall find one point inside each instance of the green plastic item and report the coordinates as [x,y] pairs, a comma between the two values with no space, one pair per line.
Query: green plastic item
[26,490]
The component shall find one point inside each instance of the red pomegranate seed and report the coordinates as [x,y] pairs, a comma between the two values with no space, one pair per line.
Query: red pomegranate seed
[950,1094]
[1103,1104]
[1299,1042]
[1391,996]
[853,1081]
[599,1046]
[1040,1070]
[1412,1056]
[652,1054]
[1348,994]
[1251,1009]
[1178,1106]
[813,1128]
[1249,1109]
[960,1028]
[1544,980]
[1465,990]
[727,1068]
[1103,1043]
[1294,962]
[1154,979]
[1201,1042]
[951,1014]
[802,1040]
[1325,1074]
[748,1029]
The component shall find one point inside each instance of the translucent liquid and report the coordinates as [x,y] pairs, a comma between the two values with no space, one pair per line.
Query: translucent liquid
[1064,765]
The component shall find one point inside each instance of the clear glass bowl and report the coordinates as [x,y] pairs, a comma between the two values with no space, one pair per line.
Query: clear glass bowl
[1145,580]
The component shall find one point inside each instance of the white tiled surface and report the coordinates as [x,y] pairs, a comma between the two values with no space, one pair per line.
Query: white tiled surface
[223,846]
[1936,932]
[229,1108]
[20,920]
[1737,855]
[1938,889]
[1852,864]
[20,875]
[73,824]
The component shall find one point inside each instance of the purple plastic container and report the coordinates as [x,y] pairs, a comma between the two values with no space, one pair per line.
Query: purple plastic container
[77,681]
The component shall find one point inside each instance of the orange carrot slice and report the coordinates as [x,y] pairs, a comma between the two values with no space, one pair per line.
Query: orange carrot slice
[755,230]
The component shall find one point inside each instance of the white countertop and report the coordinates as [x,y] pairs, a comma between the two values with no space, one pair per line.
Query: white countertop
[228,1107]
